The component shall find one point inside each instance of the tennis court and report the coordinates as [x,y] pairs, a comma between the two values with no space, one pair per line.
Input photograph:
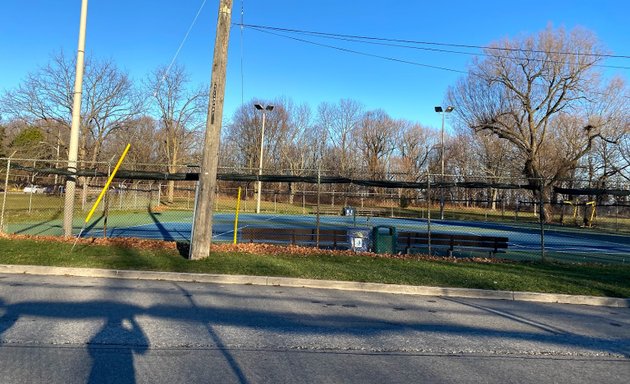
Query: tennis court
[561,243]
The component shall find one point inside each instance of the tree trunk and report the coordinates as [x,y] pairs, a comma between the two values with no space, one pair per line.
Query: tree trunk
[170,194]
[172,168]
[291,193]
[540,191]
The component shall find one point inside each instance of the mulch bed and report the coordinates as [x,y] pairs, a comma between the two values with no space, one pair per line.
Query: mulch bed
[249,248]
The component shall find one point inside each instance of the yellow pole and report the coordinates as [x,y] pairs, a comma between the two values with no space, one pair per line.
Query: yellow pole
[111,177]
[238,206]
[592,212]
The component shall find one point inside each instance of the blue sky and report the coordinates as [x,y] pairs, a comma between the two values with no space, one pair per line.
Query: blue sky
[140,35]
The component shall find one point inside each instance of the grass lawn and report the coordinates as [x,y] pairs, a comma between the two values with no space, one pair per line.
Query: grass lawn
[580,279]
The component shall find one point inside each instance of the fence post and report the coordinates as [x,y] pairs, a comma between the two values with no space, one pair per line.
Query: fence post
[106,202]
[30,200]
[319,175]
[4,195]
[194,213]
[245,199]
[429,212]
[392,202]
[616,216]
[105,213]
[542,221]
[121,195]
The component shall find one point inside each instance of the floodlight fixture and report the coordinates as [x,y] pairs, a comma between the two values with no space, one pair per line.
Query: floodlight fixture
[264,110]
[440,110]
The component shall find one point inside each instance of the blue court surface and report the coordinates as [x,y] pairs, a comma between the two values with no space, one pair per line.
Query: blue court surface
[573,244]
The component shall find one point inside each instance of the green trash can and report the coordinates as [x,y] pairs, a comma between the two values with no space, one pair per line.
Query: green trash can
[384,239]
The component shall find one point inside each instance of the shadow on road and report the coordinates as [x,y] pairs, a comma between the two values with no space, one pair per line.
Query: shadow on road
[113,347]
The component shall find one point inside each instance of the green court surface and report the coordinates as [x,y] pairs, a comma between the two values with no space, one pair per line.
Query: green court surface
[565,244]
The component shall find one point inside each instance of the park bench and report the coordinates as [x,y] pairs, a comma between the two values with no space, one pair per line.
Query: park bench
[374,212]
[328,238]
[408,241]
[381,212]
[327,211]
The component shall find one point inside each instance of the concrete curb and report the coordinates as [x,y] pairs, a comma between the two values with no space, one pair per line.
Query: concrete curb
[320,284]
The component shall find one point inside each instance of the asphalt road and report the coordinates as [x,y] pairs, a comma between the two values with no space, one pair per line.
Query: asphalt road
[90,330]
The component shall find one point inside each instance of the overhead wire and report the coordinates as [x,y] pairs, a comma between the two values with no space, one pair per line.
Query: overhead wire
[362,37]
[440,50]
[181,45]
[242,43]
[360,53]
[350,38]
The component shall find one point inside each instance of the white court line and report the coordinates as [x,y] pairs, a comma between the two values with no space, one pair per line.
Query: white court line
[579,250]
[444,227]
[140,225]
[244,226]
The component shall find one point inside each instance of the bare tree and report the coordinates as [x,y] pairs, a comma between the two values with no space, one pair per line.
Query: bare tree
[623,166]
[110,101]
[146,153]
[46,97]
[180,112]
[414,145]
[523,85]
[340,121]
[241,137]
[244,135]
[378,135]
[3,149]
[483,154]
[608,158]
[300,145]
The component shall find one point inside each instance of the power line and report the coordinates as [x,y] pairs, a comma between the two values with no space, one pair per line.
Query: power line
[338,35]
[376,56]
[181,45]
[359,52]
[397,45]
[242,43]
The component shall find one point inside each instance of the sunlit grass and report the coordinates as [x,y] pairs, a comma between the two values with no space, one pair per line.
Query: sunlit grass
[582,279]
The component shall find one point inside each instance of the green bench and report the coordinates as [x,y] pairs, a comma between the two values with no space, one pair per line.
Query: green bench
[328,238]
[451,242]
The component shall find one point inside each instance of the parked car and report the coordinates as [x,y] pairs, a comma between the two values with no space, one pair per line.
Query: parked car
[34,189]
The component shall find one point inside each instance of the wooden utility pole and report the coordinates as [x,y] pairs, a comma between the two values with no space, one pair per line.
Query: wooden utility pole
[202,223]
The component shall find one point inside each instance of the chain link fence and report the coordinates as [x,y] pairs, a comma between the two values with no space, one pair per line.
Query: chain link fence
[437,214]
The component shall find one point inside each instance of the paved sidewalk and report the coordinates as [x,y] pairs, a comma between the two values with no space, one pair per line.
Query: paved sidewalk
[322,284]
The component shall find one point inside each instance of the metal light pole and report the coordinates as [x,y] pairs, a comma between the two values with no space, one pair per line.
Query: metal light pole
[439,109]
[262,145]
[73,148]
